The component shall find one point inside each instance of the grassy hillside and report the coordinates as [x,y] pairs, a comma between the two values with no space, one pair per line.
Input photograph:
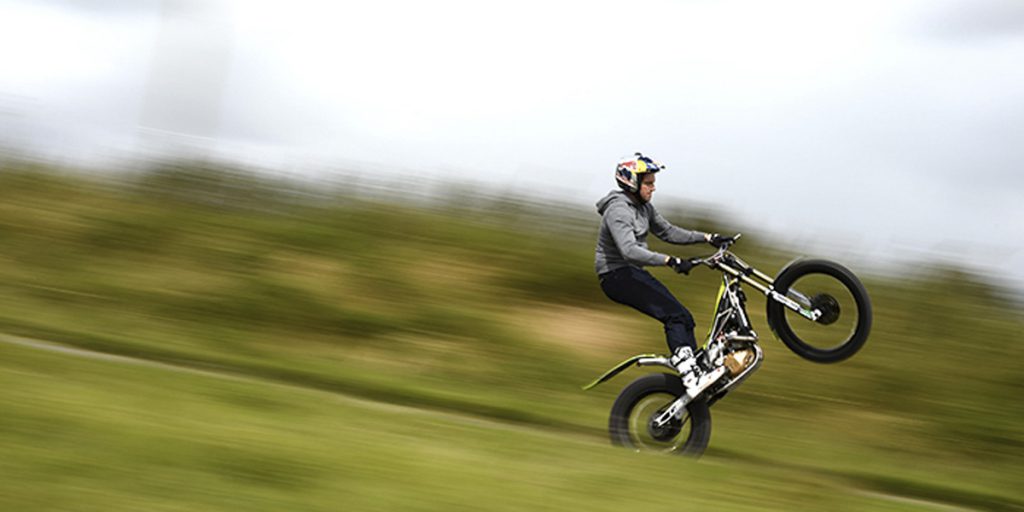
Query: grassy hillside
[486,308]
[73,439]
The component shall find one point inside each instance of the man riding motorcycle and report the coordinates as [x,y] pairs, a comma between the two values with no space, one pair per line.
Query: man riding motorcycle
[627,216]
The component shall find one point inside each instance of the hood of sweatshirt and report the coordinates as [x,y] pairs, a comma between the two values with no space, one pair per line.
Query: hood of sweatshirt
[613,197]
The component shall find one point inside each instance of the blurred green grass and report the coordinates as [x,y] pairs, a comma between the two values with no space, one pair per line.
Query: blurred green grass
[91,435]
[484,307]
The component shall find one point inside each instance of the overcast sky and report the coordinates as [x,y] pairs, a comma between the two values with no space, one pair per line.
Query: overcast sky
[893,127]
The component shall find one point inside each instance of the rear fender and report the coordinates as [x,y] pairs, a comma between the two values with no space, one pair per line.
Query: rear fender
[647,359]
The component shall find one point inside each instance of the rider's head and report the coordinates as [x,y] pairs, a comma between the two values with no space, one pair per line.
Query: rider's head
[635,175]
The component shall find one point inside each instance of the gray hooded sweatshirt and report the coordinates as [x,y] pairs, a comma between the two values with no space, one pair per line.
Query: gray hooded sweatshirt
[623,238]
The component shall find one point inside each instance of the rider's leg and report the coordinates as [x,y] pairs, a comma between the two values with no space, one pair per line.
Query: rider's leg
[639,289]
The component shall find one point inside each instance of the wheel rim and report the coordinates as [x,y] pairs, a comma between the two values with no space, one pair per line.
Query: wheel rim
[646,436]
[840,312]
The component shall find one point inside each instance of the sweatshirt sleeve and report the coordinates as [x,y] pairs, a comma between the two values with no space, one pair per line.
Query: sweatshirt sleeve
[664,230]
[620,225]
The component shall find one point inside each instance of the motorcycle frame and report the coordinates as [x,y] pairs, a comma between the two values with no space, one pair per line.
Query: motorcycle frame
[735,272]
[727,304]
[730,305]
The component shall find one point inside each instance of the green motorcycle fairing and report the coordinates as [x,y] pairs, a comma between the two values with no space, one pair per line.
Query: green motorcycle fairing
[617,370]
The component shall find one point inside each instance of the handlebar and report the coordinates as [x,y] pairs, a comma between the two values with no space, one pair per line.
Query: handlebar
[732,265]
[713,259]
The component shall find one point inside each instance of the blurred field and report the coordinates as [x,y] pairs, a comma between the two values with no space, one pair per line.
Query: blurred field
[481,317]
[74,439]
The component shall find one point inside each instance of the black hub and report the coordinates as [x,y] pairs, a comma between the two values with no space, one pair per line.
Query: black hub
[665,432]
[828,306]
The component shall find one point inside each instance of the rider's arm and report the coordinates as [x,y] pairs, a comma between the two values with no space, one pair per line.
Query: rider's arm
[664,230]
[619,220]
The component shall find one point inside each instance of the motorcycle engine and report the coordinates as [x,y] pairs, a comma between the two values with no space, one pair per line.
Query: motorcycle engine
[739,360]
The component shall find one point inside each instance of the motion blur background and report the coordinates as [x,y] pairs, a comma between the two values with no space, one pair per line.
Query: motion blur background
[338,255]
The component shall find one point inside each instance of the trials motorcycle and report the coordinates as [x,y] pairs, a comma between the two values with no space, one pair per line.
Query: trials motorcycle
[817,308]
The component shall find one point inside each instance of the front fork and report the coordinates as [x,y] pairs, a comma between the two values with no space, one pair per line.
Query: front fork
[769,290]
[810,314]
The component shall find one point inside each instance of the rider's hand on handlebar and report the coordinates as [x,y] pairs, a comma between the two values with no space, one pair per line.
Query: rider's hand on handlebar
[718,241]
[680,265]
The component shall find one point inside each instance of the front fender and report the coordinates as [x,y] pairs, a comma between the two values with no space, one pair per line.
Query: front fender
[619,368]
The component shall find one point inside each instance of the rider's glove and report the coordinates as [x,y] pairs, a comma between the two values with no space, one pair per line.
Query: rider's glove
[718,240]
[680,265]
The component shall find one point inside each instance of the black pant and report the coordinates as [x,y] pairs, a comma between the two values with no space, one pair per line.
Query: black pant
[639,289]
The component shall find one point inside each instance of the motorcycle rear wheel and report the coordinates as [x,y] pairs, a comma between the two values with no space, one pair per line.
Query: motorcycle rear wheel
[630,424]
[845,322]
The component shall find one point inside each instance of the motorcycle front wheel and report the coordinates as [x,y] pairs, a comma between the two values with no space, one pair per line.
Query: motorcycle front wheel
[632,418]
[837,295]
